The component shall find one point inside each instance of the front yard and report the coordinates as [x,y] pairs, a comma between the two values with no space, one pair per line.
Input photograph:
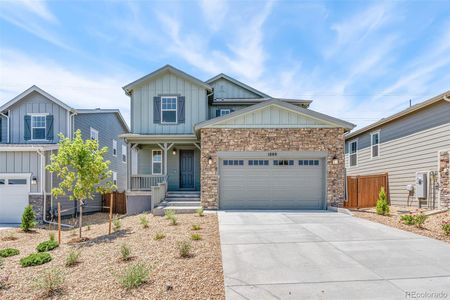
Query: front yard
[197,276]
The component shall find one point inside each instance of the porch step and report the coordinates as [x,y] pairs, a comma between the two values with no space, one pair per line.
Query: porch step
[183,194]
[181,203]
[182,199]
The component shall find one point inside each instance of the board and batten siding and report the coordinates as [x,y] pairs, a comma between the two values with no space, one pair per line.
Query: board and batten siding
[36,103]
[22,162]
[226,89]
[196,105]
[214,108]
[401,158]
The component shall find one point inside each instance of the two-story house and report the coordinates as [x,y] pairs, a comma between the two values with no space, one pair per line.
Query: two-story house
[230,144]
[409,150]
[29,128]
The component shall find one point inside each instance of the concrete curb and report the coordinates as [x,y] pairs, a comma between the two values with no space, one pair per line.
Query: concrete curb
[340,210]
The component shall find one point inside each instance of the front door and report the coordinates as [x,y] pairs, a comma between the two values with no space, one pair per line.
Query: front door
[187,169]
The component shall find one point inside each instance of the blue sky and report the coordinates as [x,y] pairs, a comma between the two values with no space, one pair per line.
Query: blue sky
[358,60]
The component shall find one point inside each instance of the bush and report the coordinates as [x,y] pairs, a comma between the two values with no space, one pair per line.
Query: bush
[408,219]
[9,252]
[159,236]
[125,252]
[419,220]
[184,248]
[28,219]
[134,276]
[196,227]
[72,258]
[200,212]
[382,203]
[170,215]
[196,237]
[50,281]
[116,223]
[47,246]
[446,227]
[144,221]
[35,259]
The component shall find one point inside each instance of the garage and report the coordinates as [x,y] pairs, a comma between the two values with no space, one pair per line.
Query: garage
[14,190]
[272,183]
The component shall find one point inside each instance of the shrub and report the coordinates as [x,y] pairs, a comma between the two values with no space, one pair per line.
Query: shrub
[200,212]
[446,227]
[382,203]
[419,220]
[72,258]
[170,215]
[196,237]
[134,276]
[407,219]
[50,281]
[116,223]
[196,227]
[51,236]
[144,221]
[35,259]
[159,236]
[9,252]
[47,246]
[125,252]
[28,219]
[184,248]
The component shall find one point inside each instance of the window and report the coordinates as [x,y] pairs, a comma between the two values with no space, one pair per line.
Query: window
[309,162]
[114,148]
[124,153]
[114,178]
[224,111]
[353,150]
[254,162]
[2,181]
[17,181]
[38,125]
[169,110]
[283,162]
[375,144]
[157,162]
[94,134]
[235,162]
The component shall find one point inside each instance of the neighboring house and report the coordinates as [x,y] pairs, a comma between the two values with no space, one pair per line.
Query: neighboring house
[412,148]
[236,146]
[30,124]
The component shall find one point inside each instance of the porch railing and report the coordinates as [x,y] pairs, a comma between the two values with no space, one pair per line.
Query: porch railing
[142,182]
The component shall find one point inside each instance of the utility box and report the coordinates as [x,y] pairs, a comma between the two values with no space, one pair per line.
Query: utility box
[421,185]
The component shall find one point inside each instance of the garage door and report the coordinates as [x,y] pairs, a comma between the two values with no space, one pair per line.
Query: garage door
[14,190]
[272,183]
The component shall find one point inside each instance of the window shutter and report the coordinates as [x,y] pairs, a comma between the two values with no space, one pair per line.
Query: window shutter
[217,112]
[27,128]
[156,110]
[49,129]
[180,109]
[1,129]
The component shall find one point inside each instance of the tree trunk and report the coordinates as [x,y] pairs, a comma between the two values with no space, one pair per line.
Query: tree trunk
[81,216]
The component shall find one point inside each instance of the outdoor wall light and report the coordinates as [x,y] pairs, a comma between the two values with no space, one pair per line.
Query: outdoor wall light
[209,160]
[33,180]
[174,151]
[335,160]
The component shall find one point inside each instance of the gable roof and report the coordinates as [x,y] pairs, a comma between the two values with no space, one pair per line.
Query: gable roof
[284,105]
[444,96]
[237,82]
[167,68]
[30,90]
[105,111]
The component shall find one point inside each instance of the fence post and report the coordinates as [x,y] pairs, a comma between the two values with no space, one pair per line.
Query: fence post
[59,222]
[110,211]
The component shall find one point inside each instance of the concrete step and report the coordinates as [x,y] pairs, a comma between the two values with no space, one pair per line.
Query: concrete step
[160,210]
[183,199]
[185,195]
[181,203]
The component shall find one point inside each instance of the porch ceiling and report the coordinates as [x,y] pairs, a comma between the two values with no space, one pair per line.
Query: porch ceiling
[155,139]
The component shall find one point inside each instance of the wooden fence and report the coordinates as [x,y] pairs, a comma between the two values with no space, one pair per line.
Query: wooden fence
[119,202]
[362,191]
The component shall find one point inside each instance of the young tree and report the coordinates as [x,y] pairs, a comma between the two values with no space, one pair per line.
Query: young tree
[382,207]
[82,168]
[28,219]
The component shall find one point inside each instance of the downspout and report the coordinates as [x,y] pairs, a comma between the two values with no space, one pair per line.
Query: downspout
[7,125]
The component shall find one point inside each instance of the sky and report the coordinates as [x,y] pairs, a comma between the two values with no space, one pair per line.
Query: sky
[357,60]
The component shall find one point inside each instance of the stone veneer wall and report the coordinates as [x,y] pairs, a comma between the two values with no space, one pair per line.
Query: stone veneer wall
[37,201]
[444,180]
[214,140]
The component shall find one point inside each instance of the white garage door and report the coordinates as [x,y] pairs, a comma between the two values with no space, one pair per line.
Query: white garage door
[14,190]
[272,183]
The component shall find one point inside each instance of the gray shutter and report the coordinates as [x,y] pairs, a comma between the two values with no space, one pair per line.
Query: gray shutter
[217,112]
[49,129]
[180,109]
[27,128]
[156,110]
[1,129]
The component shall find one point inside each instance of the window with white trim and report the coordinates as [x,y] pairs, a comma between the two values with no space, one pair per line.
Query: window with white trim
[224,111]
[169,110]
[114,148]
[375,144]
[114,177]
[157,162]
[38,126]
[124,153]
[353,152]
[94,134]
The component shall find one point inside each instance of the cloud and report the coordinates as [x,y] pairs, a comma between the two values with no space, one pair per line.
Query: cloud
[215,12]
[39,8]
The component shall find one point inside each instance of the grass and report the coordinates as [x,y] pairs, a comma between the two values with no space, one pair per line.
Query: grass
[7,252]
[144,221]
[196,237]
[50,282]
[73,258]
[125,252]
[134,276]
[184,249]
[196,227]
[200,212]
[35,259]
[170,215]
[159,236]
[116,223]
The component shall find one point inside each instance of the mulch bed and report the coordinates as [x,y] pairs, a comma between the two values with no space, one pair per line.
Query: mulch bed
[95,277]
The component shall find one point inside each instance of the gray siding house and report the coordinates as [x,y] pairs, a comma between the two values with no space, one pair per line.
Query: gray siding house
[412,148]
[230,146]
[30,124]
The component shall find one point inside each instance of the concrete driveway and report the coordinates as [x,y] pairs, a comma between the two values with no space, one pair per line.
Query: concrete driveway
[327,255]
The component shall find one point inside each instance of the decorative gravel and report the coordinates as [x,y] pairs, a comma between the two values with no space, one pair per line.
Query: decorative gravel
[95,277]
[432,227]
